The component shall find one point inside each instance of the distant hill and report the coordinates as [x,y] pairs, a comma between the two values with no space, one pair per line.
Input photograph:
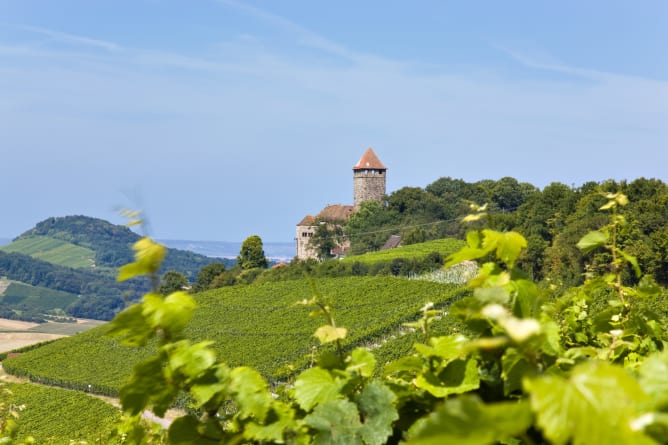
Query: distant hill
[79,255]
[110,245]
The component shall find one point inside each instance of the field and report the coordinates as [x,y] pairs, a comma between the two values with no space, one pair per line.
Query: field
[53,250]
[257,325]
[18,334]
[444,246]
[58,416]
[45,299]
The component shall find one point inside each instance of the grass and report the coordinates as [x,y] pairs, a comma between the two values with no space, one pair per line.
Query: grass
[53,250]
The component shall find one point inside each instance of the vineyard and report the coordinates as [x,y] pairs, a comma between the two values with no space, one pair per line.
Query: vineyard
[258,325]
[35,296]
[58,416]
[53,250]
[444,247]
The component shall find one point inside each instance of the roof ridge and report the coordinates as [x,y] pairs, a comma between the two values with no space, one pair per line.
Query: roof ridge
[369,160]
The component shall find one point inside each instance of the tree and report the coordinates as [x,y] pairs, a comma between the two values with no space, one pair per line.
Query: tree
[206,276]
[325,239]
[252,254]
[172,281]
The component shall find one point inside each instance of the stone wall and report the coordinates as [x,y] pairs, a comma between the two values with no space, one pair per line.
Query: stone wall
[368,185]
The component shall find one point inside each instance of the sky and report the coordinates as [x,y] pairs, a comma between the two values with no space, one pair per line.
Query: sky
[222,119]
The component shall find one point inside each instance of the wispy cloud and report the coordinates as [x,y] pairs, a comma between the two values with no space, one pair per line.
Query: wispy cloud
[304,36]
[72,38]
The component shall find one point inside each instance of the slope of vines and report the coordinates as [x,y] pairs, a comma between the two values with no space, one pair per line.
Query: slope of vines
[58,416]
[257,325]
[444,246]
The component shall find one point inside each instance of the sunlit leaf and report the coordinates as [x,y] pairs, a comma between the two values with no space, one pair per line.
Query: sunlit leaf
[315,386]
[595,406]
[328,334]
[592,240]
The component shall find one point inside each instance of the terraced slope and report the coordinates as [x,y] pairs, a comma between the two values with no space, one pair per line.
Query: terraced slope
[444,246]
[53,250]
[59,416]
[257,325]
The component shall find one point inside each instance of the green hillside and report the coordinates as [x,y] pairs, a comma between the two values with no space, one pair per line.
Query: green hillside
[256,325]
[78,256]
[59,416]
[53,250]
[42,298]
[110,243]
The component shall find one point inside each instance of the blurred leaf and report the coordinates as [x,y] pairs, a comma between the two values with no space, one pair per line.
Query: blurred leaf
[328,334]
[592,240]
[467,420]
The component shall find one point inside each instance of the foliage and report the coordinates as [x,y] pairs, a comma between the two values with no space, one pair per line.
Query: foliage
[526,369]
[326,238]
[252,255]
[172,281]
[206,275]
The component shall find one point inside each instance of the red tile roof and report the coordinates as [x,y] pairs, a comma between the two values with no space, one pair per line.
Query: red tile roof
[308,220]
[369,160]
[336,212]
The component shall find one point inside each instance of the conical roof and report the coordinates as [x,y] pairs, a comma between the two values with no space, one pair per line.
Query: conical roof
[369,160]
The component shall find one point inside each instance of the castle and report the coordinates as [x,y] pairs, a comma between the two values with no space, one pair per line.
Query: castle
[369,183]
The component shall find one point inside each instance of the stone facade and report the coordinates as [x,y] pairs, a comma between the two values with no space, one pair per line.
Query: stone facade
[368,184]
[369,179]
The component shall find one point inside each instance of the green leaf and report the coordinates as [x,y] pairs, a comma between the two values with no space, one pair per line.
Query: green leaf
[148,258]
[467,420]
[376,404]
[335,422]
[449,347]
[595,406]
[633,261]
[458,377]
[189,361]
[328,334]
[509,247]
[273,432]
[515,367]
[148,386]
[495,294]
[473,239]
[362,362]
[653,378]
[592,240]
[251,393]
[316,386]
[183,431]
[131,326]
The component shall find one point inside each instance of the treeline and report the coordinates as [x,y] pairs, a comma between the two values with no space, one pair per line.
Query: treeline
[552,219]
[101,295]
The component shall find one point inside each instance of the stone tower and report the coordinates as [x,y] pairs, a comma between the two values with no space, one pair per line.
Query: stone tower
[368,178]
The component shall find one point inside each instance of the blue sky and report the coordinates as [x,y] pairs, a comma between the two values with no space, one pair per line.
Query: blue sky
[226,118]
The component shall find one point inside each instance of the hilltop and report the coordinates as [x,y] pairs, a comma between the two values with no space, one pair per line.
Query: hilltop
[67,266]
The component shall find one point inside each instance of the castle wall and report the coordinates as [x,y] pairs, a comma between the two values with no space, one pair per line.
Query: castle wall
[368,185]
[304,234]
